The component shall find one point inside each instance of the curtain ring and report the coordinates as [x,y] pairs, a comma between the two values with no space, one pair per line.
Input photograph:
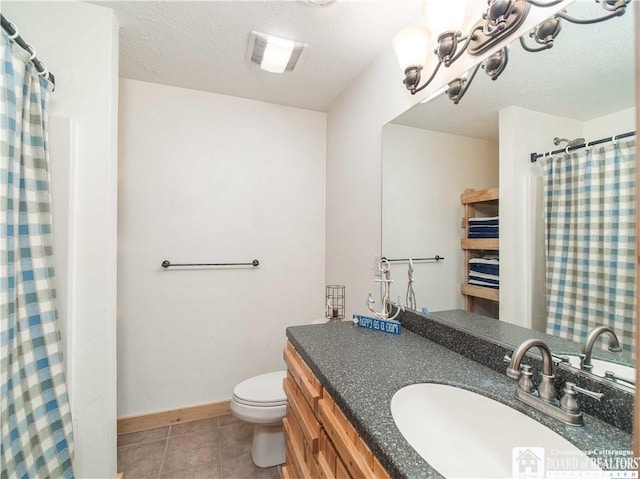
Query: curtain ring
[31,50]
[566,150]
[45,71]
[15,33]
[614,140]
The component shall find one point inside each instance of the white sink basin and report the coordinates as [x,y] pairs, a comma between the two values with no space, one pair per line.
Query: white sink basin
[600,367]
[462,434]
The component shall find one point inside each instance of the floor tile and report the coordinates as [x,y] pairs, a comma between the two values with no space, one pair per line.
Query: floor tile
[139,461]
[190,450]
[228,419]
[203,471]
[242,467]
[143,436]
[196,426]
[236,439]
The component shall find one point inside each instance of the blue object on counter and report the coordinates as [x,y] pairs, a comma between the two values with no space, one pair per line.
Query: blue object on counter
[425,310]
[383,325]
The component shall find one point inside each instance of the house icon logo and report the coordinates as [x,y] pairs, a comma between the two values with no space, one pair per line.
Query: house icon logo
[528,463]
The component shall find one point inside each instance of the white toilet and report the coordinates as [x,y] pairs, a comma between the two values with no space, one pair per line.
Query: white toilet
[261,400]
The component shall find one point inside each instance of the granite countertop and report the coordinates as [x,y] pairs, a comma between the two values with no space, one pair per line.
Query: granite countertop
[362,370]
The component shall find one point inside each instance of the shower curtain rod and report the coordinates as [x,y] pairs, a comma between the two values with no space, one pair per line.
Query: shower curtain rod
[12,31]
[535,156]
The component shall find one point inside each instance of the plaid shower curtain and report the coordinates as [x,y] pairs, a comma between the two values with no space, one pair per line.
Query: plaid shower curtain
[35,417]
[590,241]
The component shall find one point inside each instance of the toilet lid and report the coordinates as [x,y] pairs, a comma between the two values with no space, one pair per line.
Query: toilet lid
[265,389]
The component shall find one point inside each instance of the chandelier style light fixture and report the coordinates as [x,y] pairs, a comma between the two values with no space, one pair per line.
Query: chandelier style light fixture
[500,19]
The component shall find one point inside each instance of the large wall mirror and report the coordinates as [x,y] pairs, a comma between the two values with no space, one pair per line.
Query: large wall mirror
[583,87]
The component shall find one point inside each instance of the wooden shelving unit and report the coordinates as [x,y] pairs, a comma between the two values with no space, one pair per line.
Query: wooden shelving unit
[478,203]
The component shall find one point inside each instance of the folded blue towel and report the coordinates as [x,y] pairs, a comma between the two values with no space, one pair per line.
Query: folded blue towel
[484,268]
[491,278]
[494,220]
[483,234]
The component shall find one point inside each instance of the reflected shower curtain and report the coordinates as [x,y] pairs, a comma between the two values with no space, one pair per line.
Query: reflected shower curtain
[35,417]
[590,241]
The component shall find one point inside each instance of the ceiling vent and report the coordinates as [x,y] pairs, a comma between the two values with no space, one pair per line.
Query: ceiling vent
[274,54]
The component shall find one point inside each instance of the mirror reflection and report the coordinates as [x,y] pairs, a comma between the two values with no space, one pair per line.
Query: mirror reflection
[581,90]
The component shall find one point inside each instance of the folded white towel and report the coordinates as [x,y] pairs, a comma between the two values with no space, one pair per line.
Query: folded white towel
[485,260]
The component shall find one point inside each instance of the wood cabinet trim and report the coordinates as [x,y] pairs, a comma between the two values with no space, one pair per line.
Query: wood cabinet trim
[295,364]
[307,421]
[347,451]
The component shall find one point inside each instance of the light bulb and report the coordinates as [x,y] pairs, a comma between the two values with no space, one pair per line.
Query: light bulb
[444,15]
[411,45]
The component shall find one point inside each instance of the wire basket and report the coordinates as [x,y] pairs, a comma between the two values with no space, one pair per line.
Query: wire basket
[334,302]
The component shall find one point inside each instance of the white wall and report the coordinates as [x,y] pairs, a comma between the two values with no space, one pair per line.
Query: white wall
[605,126]
[79,43]
[213,178]
[424,174]
[354,144]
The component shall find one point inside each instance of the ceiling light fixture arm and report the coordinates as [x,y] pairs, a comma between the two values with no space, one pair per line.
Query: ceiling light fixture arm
[466,40]
[496,63]
[447,53]
[459,86]
[617,9]
[412,78]
[493,67]
[544,34]
[496,15]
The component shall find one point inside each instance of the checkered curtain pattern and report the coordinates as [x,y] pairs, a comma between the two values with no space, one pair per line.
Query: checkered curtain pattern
[590,241]
[35,417]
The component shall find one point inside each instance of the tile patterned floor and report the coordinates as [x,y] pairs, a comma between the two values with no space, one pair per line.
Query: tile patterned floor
[217,448]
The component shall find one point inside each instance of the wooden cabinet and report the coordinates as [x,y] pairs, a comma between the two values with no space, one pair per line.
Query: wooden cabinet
[478,203]
[321,442]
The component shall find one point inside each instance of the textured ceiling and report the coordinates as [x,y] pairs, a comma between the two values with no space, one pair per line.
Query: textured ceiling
[203,45]
[587,74]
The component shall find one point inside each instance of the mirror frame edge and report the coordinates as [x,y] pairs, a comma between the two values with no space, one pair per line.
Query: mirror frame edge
[636,401]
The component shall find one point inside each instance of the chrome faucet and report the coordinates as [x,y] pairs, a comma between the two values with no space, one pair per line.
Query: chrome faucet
[587,348]
[544,399]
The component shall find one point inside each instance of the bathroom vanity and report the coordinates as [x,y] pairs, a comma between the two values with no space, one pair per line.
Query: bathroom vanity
[340,383]
[320,440]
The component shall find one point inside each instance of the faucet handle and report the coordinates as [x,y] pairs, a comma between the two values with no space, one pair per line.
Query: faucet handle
[568,401]
[586,392]
[507,358]
[526,383]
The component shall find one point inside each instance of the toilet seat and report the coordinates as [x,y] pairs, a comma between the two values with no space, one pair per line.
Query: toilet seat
[265,390]
[260,399]
[258,403]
